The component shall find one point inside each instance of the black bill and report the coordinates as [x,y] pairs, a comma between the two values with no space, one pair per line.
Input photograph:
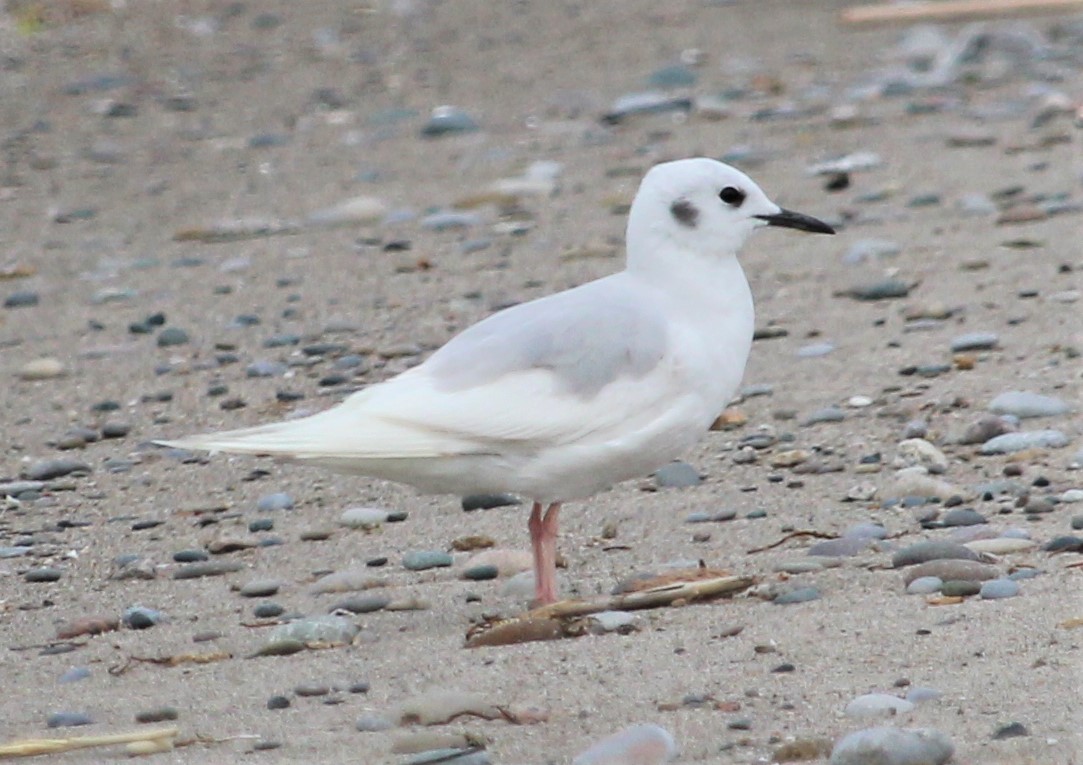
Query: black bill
[799,221]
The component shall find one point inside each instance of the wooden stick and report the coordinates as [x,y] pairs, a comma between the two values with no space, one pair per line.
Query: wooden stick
[31,747]
[951,10]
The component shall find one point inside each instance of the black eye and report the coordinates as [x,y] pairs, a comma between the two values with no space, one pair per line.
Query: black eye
[732,196]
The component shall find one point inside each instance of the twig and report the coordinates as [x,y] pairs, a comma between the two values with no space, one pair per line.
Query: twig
[795,535]
[951,10]
[161,739]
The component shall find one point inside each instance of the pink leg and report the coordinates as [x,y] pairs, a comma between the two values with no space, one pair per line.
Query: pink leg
[543,540]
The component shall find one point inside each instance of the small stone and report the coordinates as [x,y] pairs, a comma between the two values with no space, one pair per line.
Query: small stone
[1010,443]
[924,585]
[844,547]
[871,250]
[827,414]
[268,610]
[277,501]
[141,618]
[959,588]
[878,705]
[448,120]
[421,560]
[481,573]
[996,589]
[488,501]
[46,470]
[799,595]
[363,604]
[190,556]
[366,518]
[42,369]
[975,341]
[1011,730]
[963,516]
[68,719]
[930,550]
[373,724]
[1024,404]
[344,581]
[677,475]
[264,368]
[22,299]
[42,575]
[171,336]
[309,690]
[207,568]
[893,746]
[917,452]
[643,744]
[952,570]
[278,702]
[260,588]
[885,289]
[157,715]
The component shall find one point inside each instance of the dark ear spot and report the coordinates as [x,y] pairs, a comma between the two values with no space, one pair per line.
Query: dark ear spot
[685,213]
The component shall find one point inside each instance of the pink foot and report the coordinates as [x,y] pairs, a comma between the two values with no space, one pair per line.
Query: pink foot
[543,541]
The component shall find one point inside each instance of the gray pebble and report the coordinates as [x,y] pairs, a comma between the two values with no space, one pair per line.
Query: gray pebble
[975,341]
[995,589]
[190,556]
[827,414]
[959,588]
[963,516]
[450,220]
[373,724]
[677,475]
[420,560]
[45,470]
[14,551]
[68,719]
[481,573]
[865,531]
[268,610]
[893,746]
[171,336]
[157,715]
[276,501]
[473,502]
[878,705]
[1029,439]
[815,350]
[448,120]
[1011,730]
[922,552]
[924,585]
[260,588]
[141,618]
[22,299]
[920,694]
[952,570]
[266,369]
[843,547]
[316,629]
[74,675]
[363,517]
[884,289]
[44,574]
[1024,404]
[799,595]
[870,249]
[207,568]
[278,702]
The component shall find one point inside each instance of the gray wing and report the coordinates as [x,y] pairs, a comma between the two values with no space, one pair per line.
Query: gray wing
[587,337]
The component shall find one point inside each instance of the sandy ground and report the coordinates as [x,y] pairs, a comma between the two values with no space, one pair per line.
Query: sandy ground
[536,76]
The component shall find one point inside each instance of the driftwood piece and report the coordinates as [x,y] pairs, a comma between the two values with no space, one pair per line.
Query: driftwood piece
[566,617]
[951,10]
[161,739]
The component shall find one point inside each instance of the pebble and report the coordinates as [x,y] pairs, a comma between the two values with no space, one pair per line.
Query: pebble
[141,617]
[172,336]
[191,556]
[924,585]
[995,589]
[366,518]
[877,705]
[451,756]
[207,568]
[42,575]
[1010,730]
[871,250]
[975,341]
[893,746]
[448,120]
[930,550]
[277,501]
[373,724]
[815,350]
[642,744]
[481,573]
[885,289]
[157,715]
[1024,404]
[798,595]
[48,469]
[362,604]
[421,560]
[963,516]
[622,622]
[843,547]
[920,694]
[677,475]
[268,610]
[74,675]
[68,719]
[355,211]
[1001,545]
[827,414]
[952,570]
[278,702]
[260,588]
[959,588]
[42,369]
[327,628]
[1010,443]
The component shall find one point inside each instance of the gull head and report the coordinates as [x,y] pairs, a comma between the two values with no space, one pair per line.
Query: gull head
[707,207]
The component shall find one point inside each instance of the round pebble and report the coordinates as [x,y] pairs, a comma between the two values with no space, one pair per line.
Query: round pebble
[996,589]
[421,560]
